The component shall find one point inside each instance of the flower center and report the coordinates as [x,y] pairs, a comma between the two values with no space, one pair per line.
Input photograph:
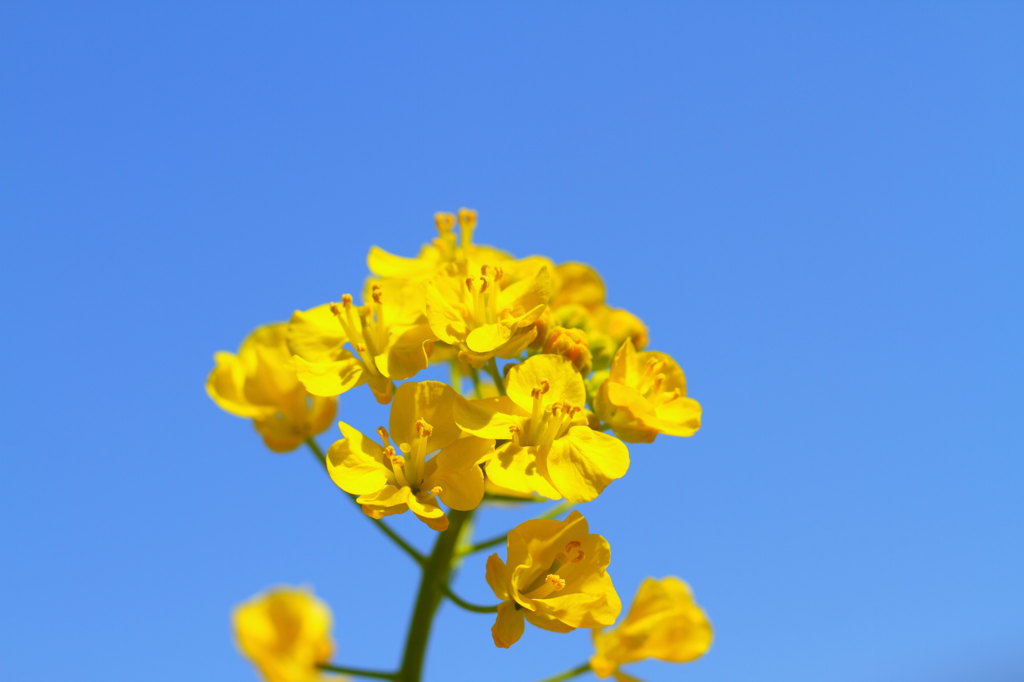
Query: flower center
[364,326]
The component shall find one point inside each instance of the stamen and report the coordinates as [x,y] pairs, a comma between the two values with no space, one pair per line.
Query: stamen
[346,300]
[445,222]
[385,437]
[436,490]
[516,432]
[574,552]
[377,294]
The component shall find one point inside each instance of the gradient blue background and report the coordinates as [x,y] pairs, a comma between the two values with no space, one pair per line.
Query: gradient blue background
[817,209]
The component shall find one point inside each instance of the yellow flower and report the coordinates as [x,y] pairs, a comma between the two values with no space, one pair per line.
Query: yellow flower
[550,450]
[644,395]
[260,383]
[391,478]
[390,340]
[285,632]
[555,578]
[663,623]
[484,314]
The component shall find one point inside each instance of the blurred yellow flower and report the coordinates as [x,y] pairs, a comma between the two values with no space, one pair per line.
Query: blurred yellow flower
[644,395]
[260,383]
[555,578]
[398,476]
[391,341]
[550,448]
[285,632]
[663,623]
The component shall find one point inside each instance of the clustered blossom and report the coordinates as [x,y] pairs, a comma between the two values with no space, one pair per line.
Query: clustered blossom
[562,381]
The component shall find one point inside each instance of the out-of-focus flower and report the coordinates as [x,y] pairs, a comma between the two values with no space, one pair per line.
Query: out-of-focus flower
[644,395]
[555,577]
[663,623]
[260,383]
[551,450]
[399,474]
[285,632]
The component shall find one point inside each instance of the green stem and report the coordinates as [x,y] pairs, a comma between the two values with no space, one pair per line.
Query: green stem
[436,572]
[469,606]
[478,388]
[499,381]
[569,674]
[495,497]
[358,672]
[385,528]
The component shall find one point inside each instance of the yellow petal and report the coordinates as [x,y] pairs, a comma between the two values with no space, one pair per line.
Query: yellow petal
[496,578]
[583,462]
[457,472]
[431,401]
[564,383]
[508,626]
[330,378]
[515,468]
[226,386]
[408,352]
[315,335]
[486,338]
[356,464]
[489,417]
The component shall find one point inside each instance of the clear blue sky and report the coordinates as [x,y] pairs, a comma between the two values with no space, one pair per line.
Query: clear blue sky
[816,207]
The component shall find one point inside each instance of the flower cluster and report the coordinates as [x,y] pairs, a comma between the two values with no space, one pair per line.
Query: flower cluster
[561,382]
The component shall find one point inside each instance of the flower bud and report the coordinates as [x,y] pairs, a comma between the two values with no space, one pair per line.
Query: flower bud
[572,345]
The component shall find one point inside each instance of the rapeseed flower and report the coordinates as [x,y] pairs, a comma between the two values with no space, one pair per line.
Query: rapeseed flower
[399,474]
[555,577]
[663,623]
[390,340]
[285,632]
[644,395]
[260,383]
[550,448]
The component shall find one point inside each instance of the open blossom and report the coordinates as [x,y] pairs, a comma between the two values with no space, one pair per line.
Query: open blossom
[663,623]
[555,577]
[399,473]
[644,395]
[483,314]
[285,632]
[550,448]
[387,340]
[260,383]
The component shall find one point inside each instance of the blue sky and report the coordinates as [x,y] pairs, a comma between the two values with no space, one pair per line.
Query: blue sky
[816,207]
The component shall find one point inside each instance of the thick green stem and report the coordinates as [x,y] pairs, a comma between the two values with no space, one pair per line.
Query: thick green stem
[436,572]
[358,672]
[569,674]
[384,528]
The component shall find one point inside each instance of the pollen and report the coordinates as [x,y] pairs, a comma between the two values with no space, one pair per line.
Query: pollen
[346,300]
[378,293]
[445,222]
[556,581]
[423,429]
[541,389]
[574,551]
[384,436]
